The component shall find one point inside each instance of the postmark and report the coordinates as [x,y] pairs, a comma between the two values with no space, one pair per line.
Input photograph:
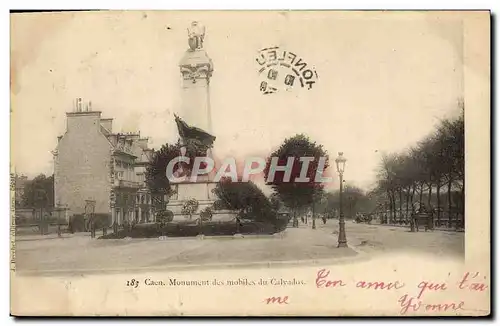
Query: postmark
[283,70]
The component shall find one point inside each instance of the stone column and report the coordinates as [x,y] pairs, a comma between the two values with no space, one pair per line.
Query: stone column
[196,69]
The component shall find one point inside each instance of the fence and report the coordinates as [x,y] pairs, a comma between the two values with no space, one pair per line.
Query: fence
[447,218]
[40,220]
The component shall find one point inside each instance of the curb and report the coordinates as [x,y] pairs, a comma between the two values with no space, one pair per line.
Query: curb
[39,239]
[279,235]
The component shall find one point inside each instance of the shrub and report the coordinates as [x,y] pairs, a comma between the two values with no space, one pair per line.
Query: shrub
[164,216]
[206,214]
[189,207]
[192,228]
[280,225]
[77,223]
[102,220]
[148,230]
[181,229]
[145,230]
[246,198]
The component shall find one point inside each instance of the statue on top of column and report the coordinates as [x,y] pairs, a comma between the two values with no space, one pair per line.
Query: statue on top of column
[196,34]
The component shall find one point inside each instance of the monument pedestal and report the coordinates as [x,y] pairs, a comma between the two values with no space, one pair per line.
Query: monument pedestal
[202,192]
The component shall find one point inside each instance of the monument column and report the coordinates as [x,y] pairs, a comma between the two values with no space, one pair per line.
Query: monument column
[196,69]
[194,119]
[195,125]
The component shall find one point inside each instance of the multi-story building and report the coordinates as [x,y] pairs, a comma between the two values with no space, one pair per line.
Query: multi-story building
[94,164]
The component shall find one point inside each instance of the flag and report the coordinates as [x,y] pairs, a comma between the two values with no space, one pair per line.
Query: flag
[193,135]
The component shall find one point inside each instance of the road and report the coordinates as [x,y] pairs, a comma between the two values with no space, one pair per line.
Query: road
[381,239]
[81,253]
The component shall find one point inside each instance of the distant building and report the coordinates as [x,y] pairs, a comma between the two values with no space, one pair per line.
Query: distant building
[93,163]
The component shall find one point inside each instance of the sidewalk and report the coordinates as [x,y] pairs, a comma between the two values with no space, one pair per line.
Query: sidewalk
[35,237]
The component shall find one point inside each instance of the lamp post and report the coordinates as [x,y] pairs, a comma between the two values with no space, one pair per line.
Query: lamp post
[340,162]
[89,211]
[313,212]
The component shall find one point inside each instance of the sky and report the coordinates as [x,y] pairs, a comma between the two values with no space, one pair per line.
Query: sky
[384,79]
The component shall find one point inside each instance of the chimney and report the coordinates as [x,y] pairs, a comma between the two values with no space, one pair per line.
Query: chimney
[79,105]
[82,119]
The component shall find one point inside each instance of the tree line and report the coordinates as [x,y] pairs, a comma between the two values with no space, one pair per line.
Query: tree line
[37,193]
[431,174]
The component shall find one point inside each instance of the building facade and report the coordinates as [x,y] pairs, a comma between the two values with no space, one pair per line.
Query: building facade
[94,164]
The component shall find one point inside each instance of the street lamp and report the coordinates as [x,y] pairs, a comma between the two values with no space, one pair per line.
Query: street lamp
[313,212]
[340,162]
[90,212]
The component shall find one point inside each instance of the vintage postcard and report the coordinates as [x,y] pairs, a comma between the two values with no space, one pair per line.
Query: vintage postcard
[250,163]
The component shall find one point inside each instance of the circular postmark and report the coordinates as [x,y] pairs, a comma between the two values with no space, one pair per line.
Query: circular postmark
[281,69]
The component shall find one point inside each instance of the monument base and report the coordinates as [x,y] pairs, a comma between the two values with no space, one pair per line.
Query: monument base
[202,192]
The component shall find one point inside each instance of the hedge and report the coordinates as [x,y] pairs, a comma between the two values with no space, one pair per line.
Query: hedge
[77,222]
[192,228]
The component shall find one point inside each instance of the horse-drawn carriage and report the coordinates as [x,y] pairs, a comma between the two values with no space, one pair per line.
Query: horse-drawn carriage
[363,218]
[422,217]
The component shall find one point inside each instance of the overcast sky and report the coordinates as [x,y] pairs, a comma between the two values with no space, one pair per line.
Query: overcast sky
[384,80]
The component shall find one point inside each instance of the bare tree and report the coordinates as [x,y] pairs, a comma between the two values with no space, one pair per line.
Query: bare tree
[435,162]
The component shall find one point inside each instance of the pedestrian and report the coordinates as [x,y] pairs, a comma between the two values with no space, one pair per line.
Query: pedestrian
[70,225]
[430,220]
[417,211]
